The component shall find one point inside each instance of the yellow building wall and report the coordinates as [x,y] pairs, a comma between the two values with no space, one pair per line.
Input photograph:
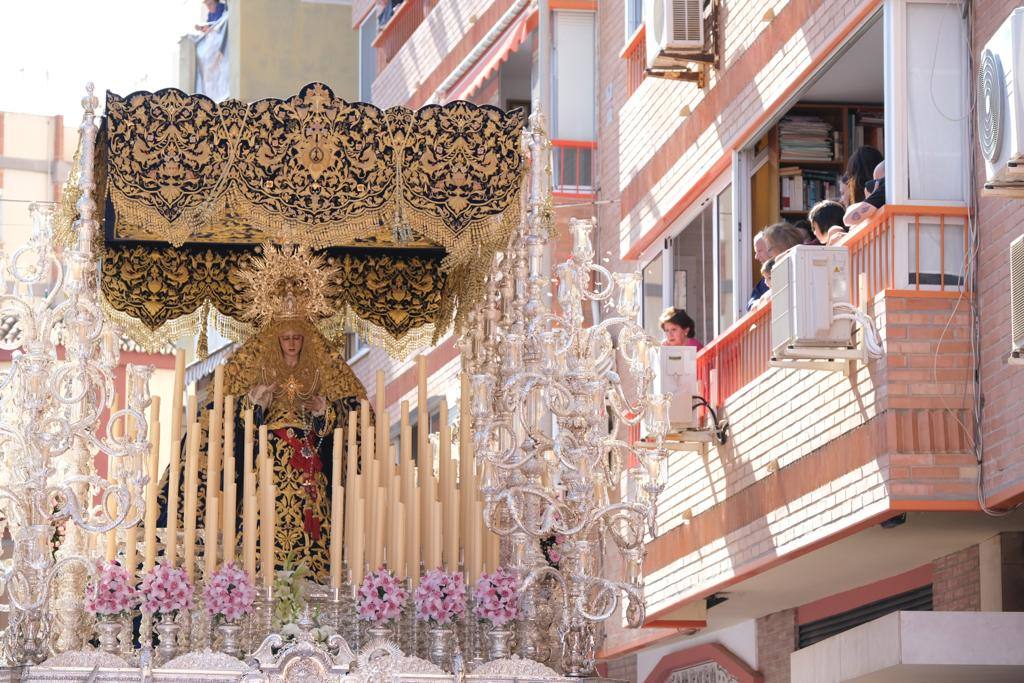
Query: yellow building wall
[27,136]
[277,46]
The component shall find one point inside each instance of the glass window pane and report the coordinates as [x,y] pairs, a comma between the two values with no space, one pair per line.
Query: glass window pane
[654,285]
[726,284]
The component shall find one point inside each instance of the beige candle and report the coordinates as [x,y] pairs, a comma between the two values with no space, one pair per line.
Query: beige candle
[356,543]
[449,498]
[267,521]
[174,466]
[467,479]
[229,511]
[212,518]
[436,542]
[373,513]
[153,470]
[396,524]
[407,470]
[249,505]
[191,497]
[337,500]
[214,445]
[380,502]
[383,429]
[475,554]
[352,494]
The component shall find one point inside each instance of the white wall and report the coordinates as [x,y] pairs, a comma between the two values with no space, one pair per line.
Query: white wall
[740,639]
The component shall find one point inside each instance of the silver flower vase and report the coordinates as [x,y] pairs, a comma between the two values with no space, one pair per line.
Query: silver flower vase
[167,630]
[108,626]
[441,638]
[380,629]
[499,642]
[229,638]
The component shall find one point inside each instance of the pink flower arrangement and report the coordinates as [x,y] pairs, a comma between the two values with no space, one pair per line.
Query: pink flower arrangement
[112,592]
[497,600]
[165,590]
[229,593]
[440,597]
[381,597]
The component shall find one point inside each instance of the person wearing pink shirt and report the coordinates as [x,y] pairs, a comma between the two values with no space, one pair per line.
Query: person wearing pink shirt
[678,328]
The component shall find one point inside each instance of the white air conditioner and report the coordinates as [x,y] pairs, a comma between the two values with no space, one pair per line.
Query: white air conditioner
[1017,297]
[677,375]
[674,28]
[807,282]
[1000,84]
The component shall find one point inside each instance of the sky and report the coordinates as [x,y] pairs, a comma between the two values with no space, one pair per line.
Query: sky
[49,49]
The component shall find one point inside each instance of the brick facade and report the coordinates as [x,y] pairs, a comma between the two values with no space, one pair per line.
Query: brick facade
[623,669]
[776,640]
[956,581]
[1000,221]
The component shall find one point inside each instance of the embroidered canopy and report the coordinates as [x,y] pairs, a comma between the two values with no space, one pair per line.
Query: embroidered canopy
[408,205]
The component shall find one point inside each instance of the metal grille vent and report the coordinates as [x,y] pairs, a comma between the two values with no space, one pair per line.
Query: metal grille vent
[917,600]
[686,20]
[1017,294]
[990,105]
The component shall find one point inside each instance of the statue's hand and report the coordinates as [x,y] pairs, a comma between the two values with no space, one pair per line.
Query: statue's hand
[261,394]
[317,405]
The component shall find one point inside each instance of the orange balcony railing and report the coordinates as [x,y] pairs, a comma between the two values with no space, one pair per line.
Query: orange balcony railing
[400,27]
[900,248]
[573,167]
[635,54]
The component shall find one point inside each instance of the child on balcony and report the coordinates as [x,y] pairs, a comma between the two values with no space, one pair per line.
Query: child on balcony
[678,328]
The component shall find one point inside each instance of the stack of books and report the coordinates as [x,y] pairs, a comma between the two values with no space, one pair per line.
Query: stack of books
[802,188]
[808,138]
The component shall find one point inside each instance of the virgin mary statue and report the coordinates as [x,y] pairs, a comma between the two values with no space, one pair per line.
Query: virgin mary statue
[300,386]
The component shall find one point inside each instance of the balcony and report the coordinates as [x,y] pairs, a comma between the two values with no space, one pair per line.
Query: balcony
[635,54]
[573,168]
[404,21]
[815,457]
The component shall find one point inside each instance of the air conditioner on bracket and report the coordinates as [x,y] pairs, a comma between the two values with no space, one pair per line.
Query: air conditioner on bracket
[1000,84]
[674,28]
[807,283]
[677,375]
[1017,299]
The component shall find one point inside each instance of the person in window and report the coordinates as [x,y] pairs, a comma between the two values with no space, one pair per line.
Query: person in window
[214,11]
[766,273]
[859,170]
[826,219]
[678,328]
[875,188]
[761,254]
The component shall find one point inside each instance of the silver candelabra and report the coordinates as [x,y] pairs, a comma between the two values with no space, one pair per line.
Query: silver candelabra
[52,400]
[549,411]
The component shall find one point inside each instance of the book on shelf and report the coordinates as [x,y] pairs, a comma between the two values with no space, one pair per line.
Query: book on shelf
[808,138]
[800,189]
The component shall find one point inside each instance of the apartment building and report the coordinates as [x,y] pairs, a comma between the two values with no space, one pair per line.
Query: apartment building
[418,52]
[859,523]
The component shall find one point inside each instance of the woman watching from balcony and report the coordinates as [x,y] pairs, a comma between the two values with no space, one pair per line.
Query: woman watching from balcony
[859,170]
[875,188]
[678,328]
[826,219]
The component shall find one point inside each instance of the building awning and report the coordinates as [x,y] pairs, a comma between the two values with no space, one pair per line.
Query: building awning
[510,41]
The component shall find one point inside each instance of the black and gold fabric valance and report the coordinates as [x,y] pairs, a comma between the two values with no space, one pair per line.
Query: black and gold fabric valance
[411,204]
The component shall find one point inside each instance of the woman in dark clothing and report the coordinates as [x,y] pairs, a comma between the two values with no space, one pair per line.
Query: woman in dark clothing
[859,170]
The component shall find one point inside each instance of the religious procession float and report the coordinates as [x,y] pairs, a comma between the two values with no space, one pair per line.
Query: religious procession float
[286,538]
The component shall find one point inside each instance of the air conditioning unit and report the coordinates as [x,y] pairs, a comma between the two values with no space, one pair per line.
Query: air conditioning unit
[1017,297]
[1000,82]
[677,375]
[675,28]
[807,281]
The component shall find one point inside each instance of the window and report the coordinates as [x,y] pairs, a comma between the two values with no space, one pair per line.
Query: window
[654,293]
[354,345]
[693,272]
[634,16]
[574,82]
[726,277]
[367,57]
